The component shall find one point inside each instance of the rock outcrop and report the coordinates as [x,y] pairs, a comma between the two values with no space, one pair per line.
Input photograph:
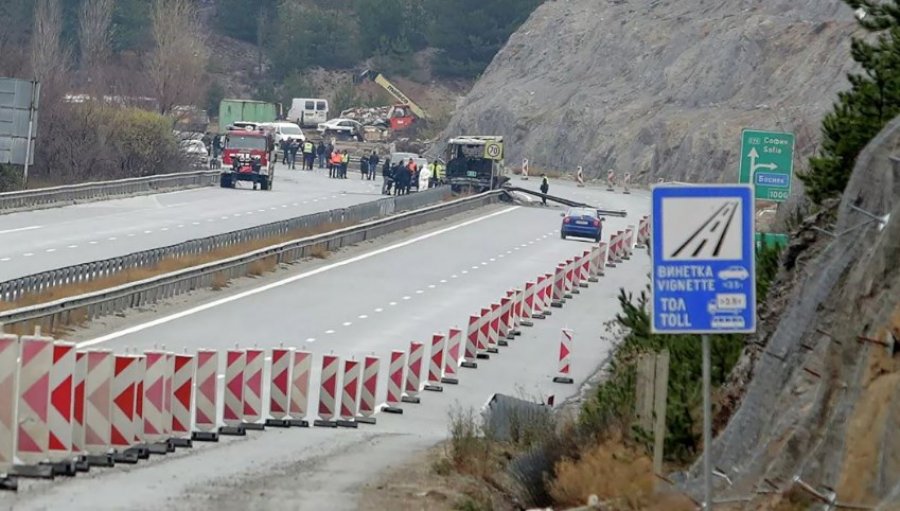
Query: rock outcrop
[660,88]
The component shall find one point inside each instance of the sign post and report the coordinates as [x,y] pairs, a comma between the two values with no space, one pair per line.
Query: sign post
[767,162]
[704,276]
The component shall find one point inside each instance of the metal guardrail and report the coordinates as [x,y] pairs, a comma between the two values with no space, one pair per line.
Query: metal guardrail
[15,289]
[100,190]
[136,294]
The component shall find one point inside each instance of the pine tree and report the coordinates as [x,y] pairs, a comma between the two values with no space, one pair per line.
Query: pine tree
[861,112]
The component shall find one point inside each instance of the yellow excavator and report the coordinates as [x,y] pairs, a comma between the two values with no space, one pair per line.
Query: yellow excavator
[405,113]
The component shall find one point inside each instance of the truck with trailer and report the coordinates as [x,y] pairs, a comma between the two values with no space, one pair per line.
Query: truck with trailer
[248,110]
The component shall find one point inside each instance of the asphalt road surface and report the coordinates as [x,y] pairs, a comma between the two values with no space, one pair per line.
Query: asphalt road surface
[36,241]
[371,301]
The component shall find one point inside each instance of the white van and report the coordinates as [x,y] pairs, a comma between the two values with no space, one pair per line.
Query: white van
[308,112]
[285,130]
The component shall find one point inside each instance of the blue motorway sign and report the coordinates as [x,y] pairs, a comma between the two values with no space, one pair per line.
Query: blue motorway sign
[704,278]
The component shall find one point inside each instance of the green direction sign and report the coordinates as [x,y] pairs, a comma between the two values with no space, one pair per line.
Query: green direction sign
[767,161]
[770,239]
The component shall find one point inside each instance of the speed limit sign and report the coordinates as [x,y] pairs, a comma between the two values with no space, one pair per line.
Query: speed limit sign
[493,150]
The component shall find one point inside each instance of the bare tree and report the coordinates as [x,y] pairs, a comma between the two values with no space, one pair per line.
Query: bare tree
[178,65]
[49,60]
[94,34]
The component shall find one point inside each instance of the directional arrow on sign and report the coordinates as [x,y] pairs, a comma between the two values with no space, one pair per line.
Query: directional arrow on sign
[754,156]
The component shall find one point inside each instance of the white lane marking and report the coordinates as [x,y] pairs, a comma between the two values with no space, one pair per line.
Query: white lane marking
[407,298]
[491,259]
[289,280]
[195,223]
[28,254]
[362,316]
[392,304]
[148,232]
[273,208]
[5,259]
[131,235]
[465,272]
[294,203]
[379,309]
[443,281]
[454,276]
[347,323]
[210,219]
[72,246]
[20,229]
[164,229]
[260,211]
[475,267]
[92,242]
[431,286]
[248,213]
[310,339]
[50,250]
[329,332]
[181,226]
[236,214]
[509,252]
[419,291]
[111,238]
[284,205]
[501,256]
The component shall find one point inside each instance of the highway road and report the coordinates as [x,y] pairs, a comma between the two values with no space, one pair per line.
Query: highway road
[36,241]
[708,239]
[371,300]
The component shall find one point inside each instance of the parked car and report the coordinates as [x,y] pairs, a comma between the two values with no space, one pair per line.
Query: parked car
[196,151]
[346,129]
[582,223]
[284,131]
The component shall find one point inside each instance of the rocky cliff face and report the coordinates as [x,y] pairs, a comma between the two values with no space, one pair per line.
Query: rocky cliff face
[660,88]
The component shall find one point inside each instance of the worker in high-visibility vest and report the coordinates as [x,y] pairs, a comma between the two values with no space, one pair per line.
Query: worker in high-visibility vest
[345,162]
[335,169]
[309,155]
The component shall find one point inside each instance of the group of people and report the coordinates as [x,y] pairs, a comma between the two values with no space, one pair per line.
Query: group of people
[399,176]
[308,152]
[368,166]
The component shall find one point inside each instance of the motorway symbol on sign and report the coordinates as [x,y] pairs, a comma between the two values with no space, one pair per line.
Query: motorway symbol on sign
[767,161]
[704,278]
[493,150]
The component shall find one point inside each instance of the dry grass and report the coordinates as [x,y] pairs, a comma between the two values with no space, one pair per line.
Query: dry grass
[181,263]
[619,474]
[468,451]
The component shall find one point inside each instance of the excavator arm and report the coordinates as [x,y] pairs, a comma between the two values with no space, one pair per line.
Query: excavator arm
[394,91]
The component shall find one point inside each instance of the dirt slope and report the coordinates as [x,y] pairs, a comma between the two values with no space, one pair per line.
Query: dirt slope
[660,88]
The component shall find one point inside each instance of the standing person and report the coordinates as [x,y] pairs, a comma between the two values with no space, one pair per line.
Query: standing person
[399,173]
[363,168]
[309,151]
[329,156]
[285,149]
[545,187]
[335,171]
[388,177]
[413,175]
[320,153]
[373,165]
[216,145]
[294,149]
[345,162]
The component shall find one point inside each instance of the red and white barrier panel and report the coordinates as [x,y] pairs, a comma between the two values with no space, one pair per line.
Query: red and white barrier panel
[207,397]
[168,374]
[598,262]
[643,234]
[576,274]
[59,414]
[182,394]
[494,330]
[620,246]
[253,381]
[349,395]
[124,382]
[570,278]
[451,360]
[395,380]
[328,391]
[233,411]
[140,376]
[584,274]
[300,375]
[280,387]
[471,347]
[78,401]
[369,391]
[610,181]
[527,304]
[565,354]
[97,407]
[33,432]
[9,375]
[548,295]
[537,306]
[559,286]
[505,318]
[484,325]
[628,243]
[435,364]
[518,305]
[414,372]
[611,259]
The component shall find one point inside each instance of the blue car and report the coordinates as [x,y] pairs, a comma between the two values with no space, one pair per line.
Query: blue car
[582,223]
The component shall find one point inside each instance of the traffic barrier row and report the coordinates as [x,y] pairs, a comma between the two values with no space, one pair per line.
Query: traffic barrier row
[63,411]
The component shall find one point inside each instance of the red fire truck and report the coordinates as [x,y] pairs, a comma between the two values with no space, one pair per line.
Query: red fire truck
[246,158]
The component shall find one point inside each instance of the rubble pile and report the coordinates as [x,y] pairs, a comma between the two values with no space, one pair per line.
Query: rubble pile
[368,116]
